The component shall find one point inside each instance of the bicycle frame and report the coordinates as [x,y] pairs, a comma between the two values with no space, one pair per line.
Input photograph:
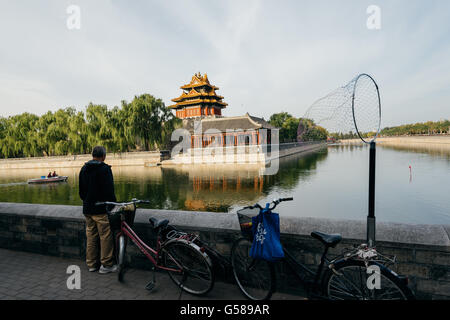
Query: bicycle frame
[220,261]
[150,253]
[304,274]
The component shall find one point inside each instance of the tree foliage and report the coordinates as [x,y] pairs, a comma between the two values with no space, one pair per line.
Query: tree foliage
[287,124]
[143,124]
[289,128]
[421,128]
[428,128]
[311,131]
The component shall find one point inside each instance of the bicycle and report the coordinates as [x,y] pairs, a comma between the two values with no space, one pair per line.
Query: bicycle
[342,278]
[221,264]
[186,263]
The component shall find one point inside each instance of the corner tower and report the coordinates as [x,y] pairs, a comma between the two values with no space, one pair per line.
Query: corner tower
[199,99]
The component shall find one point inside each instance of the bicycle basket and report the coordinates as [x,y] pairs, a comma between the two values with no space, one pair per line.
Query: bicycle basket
[245,221]
[114,216]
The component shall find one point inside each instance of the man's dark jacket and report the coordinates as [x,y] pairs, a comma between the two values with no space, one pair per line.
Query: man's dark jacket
[96,184]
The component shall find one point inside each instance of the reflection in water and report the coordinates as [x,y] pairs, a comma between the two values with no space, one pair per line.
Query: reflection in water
[432,149]
[331,183]
[218,188]
[12,184]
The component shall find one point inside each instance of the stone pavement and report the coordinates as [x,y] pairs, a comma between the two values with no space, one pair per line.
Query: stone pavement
[30,276]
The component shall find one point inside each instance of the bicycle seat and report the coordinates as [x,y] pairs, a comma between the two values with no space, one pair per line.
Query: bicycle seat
[329,240]
[158,223]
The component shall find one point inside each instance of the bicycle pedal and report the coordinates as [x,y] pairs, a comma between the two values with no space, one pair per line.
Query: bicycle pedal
[150,286]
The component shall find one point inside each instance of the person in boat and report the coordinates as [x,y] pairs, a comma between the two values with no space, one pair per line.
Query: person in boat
[54,174]
[49,175]
[96,184]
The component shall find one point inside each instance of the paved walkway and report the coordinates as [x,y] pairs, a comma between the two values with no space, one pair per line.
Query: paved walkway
[38,277]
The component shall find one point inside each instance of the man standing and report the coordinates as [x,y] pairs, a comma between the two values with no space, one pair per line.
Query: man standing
[97,185]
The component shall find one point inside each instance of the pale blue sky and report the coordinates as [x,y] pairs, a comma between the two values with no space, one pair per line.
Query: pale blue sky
[266,56]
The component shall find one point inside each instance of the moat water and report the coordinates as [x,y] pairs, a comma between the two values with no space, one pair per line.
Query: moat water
[330,183]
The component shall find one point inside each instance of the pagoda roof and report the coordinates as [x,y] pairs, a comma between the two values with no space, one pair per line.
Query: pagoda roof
[194,93]
[199,81]
[195,96]
[198,101]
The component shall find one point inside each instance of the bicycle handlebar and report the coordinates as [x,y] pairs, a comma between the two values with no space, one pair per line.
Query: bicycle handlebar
[274,202]
[122,204]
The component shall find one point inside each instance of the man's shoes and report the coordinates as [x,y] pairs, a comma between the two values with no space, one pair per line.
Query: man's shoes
[104,269]
[92,269]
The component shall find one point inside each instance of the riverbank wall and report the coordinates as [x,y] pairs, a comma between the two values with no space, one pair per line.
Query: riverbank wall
[150,158]
[233,155]
[438,141]
[422,251]
[254,154]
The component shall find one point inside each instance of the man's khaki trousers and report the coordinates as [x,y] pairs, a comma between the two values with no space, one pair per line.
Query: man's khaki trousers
[98,231]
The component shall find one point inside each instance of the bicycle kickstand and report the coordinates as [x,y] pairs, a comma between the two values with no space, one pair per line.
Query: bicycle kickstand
[152,284]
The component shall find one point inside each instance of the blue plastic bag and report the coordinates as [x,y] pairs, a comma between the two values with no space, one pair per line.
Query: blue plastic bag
[266,237]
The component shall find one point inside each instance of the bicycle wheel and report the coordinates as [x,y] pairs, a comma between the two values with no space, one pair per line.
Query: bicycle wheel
[196,275]
[351,281]
[121,251]
[255,278]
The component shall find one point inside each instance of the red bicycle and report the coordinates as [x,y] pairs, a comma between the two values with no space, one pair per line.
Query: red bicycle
[188,265]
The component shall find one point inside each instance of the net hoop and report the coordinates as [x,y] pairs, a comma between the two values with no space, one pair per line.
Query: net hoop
[379,107]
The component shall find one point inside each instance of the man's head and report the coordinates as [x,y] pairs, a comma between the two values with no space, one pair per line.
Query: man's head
[99,153]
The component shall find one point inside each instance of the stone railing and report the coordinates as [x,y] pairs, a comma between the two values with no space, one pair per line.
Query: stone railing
[422,251]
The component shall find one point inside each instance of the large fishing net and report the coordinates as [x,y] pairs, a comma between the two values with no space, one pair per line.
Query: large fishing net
[351,111]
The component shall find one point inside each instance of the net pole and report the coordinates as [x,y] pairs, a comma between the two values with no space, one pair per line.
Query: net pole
[371,215]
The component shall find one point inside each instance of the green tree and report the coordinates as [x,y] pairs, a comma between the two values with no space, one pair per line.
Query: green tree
[278,119]
[287,124]
[146,116]
[20,138]
[289,127]
[288,132]
[99,127]
[429,127]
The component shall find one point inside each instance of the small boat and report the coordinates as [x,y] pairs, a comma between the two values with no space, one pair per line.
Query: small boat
[44,179]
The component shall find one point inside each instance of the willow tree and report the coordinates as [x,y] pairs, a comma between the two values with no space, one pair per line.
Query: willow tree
[122,136]
[20,138]
[145,123]
[3,134]
[145,118]
[100,131]
[78,134]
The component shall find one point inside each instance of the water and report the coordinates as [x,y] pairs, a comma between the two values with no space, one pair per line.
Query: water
[331,183]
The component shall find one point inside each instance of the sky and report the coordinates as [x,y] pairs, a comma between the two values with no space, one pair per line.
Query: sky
[266,56]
